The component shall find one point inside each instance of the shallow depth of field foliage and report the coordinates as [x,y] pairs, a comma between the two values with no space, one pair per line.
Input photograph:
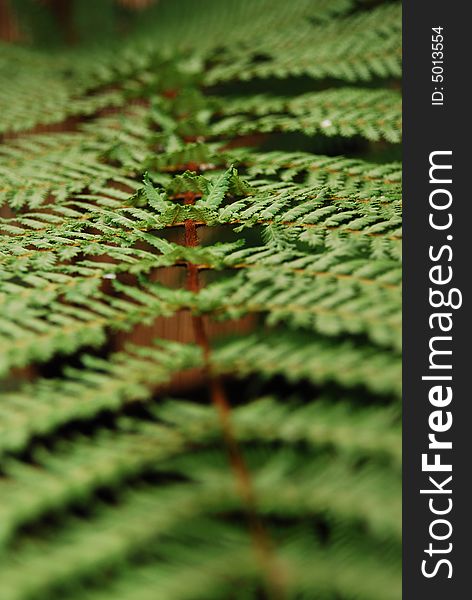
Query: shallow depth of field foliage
[200,302]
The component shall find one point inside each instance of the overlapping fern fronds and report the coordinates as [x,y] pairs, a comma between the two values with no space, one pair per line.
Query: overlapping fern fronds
[223,185]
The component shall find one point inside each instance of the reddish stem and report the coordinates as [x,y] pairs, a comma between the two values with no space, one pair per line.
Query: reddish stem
[262,543]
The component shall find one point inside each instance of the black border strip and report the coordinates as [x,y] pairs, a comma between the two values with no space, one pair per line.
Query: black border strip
[427,129]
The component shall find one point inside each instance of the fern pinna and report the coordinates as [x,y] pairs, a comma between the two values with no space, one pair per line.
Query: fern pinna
[200,291]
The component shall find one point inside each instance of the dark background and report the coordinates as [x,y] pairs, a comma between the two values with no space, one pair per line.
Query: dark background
[428,128]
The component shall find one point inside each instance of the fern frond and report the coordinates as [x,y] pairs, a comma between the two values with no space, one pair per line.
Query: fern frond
[39,409]
[200,294]
[374,114]
[326,423]
[354,48]
[300,357]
